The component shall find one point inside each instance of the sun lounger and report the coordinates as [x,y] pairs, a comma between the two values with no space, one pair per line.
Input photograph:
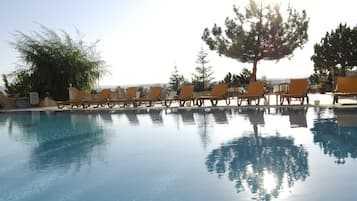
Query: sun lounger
[255,92]
[151,98]
[100,100]
[186,94]
[129,97]
[6,102]
[346,87]
[297,89]
[219,92]
[77,101]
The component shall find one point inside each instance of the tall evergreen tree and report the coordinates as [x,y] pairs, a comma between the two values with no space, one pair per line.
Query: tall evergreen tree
[203,76]
[176,80]
[337,51]
[259,33]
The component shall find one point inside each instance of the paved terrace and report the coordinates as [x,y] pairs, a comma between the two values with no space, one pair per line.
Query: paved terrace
[325,101]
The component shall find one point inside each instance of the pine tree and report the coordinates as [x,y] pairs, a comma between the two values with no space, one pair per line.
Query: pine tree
[259,33]
[176,80]
[203,77]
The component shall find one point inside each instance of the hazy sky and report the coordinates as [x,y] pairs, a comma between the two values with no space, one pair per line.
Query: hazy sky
[142,40]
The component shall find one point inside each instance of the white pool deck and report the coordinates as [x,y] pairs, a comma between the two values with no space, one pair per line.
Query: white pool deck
[325,101]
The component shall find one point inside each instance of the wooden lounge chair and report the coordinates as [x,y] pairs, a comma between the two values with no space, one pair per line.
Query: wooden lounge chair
[219,92]
[255,92]
[100,100]
[77,101]
[151,98]
[129,97]
[346,87]
[186,94]
[297,89]
[6,102]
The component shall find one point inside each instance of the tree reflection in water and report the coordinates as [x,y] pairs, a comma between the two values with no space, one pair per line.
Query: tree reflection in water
[264,165]
[205,122]
[337,136]
[60,140]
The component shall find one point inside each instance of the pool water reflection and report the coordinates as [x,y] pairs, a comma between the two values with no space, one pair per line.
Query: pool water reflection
[179,154]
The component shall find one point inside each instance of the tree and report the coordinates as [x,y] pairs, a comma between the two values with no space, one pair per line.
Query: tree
[52,61]
[259,33]
[21,85]
[203,77]
[244,77]
[246,161]
[337,51]
[323,78]
[176,80]
[234,80]
[333,135]
[231,79]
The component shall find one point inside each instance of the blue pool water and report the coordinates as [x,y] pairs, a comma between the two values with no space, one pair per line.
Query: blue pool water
[179,155]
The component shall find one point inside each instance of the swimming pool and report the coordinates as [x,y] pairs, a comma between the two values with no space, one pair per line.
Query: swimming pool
[179,154]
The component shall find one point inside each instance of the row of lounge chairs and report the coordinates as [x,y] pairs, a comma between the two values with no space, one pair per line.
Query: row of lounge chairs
[255,92]
[298,90]
[345,87]
[6,102]
[154,96]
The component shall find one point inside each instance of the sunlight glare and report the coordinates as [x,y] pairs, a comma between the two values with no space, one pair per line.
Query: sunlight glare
[269,182]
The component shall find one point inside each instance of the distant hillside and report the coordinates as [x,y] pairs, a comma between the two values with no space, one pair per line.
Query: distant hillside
[278,81]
